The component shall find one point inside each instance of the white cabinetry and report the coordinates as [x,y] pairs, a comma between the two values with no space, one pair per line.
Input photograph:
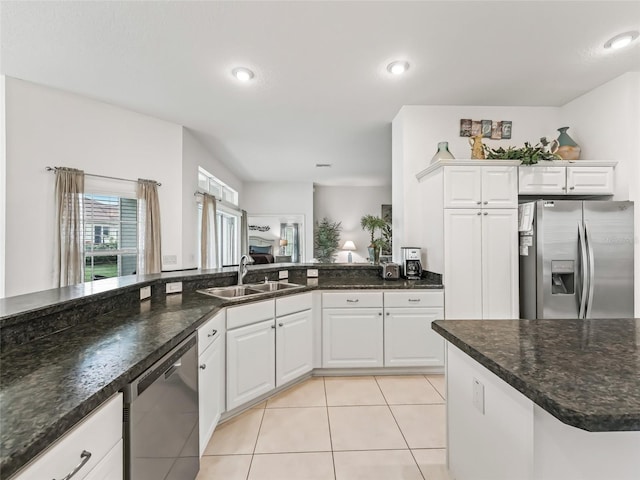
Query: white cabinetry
[93,448]
[352,329]
[211,376]
[269,343]
[473,240]
[409,340]
[471,186]
[582,177]
[294,337]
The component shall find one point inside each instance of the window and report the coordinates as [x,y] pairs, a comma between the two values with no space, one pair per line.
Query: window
[111,236]
[227,218]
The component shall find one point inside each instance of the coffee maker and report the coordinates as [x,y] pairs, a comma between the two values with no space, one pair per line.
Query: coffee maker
[411,266]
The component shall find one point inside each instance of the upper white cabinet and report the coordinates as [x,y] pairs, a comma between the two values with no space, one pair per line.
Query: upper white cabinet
[582,177]
[469,186]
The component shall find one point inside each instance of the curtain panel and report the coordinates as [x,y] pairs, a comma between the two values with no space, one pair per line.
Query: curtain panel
[208,233]
[150,259]
[244,234]
[69,241]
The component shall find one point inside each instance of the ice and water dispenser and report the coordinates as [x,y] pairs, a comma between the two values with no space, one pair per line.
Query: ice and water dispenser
[562,277]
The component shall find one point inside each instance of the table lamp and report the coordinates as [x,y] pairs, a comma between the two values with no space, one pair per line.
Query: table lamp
[283,243]
[349,246]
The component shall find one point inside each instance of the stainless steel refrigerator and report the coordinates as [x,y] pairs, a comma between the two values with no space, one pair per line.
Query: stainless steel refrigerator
[576,260]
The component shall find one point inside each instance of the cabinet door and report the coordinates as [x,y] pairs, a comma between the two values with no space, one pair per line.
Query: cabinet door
[211,390]
[499,187]
[294,346]
[250,362]
[500,264]
[463,263]
[110,467]
[462,187]
[409,340]
[590,180]
[352,337]
[535,180]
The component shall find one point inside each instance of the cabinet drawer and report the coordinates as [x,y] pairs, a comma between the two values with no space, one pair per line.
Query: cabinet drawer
[351,299]
[293,304]
[210,331]
[534,180]
[590,180]
[97,434]
[413,299]
[250,313]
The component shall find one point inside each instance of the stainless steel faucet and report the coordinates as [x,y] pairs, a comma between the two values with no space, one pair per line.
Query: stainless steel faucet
[242,268]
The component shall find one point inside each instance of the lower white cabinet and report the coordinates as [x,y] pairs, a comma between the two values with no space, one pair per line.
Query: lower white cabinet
[251,353]
[352,337]
[409,340]
[93,448]
[211,376]
[294,346]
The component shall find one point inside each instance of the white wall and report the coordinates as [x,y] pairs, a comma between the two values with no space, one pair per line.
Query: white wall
[282,199]
[419,128]
[48,127]
[3,183]
[195,155]
[605,122]
[348,205]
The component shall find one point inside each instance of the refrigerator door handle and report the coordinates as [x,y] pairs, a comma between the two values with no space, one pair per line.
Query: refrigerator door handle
[591,270]
[583,267]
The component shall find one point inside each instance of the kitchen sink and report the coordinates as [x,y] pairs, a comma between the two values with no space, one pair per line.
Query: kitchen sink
[232,292]
[273,286]
[239,291]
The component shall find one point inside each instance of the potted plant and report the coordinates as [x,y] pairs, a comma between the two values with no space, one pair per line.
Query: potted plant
[326,239]
[371,223]
[529,155]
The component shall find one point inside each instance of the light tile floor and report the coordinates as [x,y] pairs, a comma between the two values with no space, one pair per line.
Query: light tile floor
[337,428]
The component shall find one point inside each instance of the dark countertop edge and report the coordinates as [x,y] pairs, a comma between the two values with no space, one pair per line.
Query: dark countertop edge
[574,418]
[21,459]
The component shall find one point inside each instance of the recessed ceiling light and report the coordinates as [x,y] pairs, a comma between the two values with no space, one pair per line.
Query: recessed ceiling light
[242,74]
[323,165]
[398,67]
[622,40]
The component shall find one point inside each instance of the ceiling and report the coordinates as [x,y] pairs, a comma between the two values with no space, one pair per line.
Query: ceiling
[321,93]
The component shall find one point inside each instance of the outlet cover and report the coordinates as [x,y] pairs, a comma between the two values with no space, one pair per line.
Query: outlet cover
[170,259]
[283,274]
[145,292]
[478,395]
[174,287]
[312,273]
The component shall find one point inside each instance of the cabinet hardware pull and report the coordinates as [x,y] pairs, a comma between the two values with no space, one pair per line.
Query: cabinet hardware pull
[388,314]
[203,366]
[572,188]
[281,324]
[486,213]
[486,203]
[213,332]
[273,326]
[479,213]
[564,188]
[352,301]
[85,456]
[379,313]
[478,203]
[414,299]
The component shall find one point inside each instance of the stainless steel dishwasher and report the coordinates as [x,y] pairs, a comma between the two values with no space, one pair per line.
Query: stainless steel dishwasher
[161,418]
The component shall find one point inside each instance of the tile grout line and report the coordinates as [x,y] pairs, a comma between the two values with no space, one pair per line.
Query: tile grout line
[434,387]
[264,410]
[399,428]
[326,400]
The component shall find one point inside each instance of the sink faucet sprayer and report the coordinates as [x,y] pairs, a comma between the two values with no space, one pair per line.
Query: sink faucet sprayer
[242,268]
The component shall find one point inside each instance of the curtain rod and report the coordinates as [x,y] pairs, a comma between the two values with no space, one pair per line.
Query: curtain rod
[53,169]
[196,193]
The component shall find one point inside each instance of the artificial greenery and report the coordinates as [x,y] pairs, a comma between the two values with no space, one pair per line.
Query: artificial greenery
[371,223]
[529,155]
[326,239]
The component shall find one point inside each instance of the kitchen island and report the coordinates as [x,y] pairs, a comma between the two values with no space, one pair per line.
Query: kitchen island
[543,399]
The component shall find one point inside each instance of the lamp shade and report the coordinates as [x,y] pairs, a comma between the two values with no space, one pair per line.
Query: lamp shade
[283,242]
[349,245]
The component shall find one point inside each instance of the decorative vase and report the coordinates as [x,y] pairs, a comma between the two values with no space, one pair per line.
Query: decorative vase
[443,153]
[568,149]
[374,255]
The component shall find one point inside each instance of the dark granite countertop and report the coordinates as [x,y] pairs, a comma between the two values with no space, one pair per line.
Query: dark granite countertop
[586,373]
[49,384]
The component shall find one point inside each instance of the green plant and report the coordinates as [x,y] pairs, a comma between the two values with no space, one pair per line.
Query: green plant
[528,154]
[326,239]
[371,223]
